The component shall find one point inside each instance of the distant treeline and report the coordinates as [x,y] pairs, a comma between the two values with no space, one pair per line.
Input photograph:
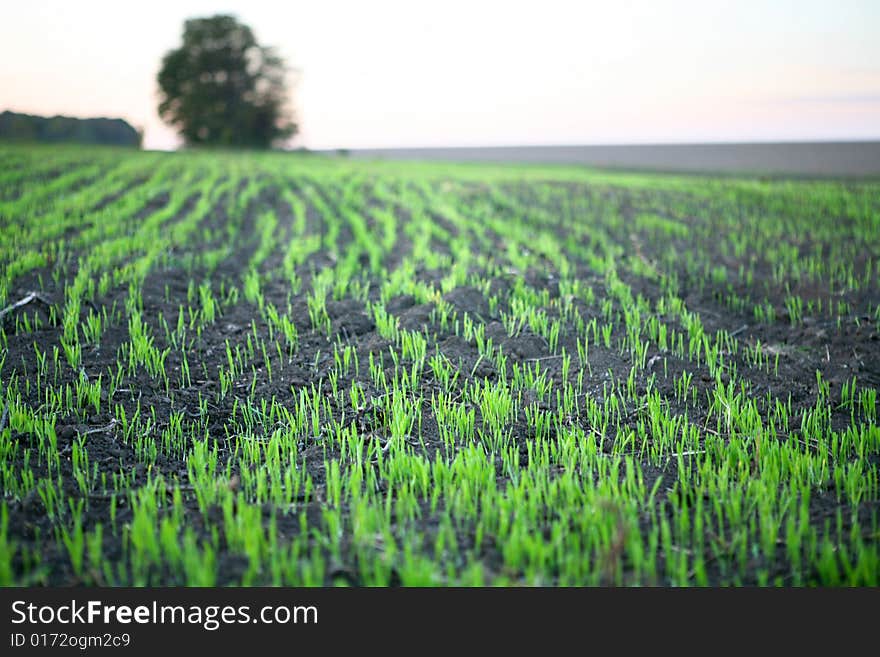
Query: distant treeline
[26,127]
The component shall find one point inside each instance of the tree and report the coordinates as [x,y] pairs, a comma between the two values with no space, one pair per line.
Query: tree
[222,88]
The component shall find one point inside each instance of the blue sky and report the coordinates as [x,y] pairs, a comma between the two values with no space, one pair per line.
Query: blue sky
[481,72]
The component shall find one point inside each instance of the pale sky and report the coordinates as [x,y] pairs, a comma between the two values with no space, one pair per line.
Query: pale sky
[385,73]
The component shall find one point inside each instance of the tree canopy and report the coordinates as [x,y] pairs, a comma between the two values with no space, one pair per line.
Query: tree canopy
[221,88]
[28,127]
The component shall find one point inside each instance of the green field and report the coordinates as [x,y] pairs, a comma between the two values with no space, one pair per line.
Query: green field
[279,369]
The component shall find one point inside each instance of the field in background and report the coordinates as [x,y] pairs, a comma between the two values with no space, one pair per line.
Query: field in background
[276,369]
[828,159]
